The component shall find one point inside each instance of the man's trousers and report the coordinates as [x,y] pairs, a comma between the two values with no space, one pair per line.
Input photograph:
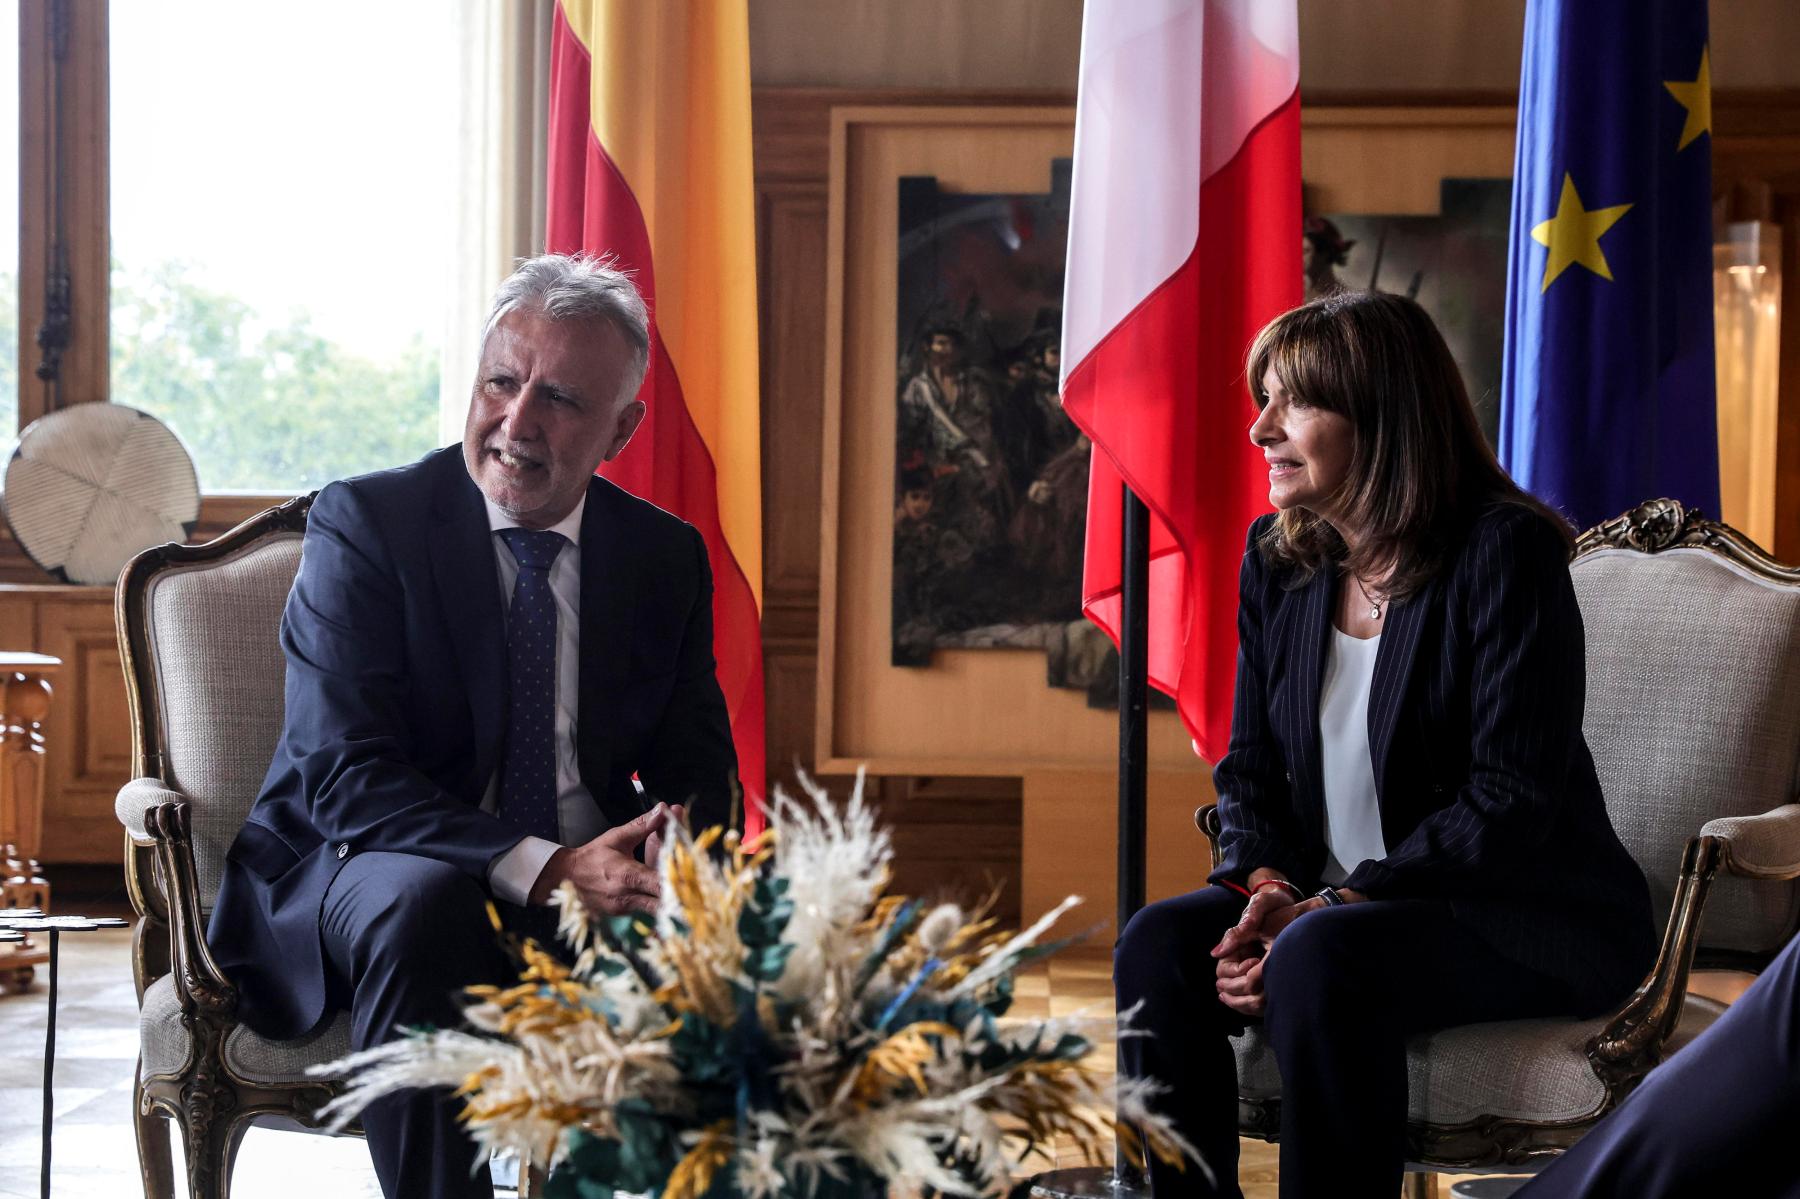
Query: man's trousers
[403,935]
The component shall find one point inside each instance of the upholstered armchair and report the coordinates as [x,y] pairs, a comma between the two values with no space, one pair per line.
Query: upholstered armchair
[198,632]
[1693,717]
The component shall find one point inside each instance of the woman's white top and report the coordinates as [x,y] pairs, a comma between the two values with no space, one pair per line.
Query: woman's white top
[1352,812]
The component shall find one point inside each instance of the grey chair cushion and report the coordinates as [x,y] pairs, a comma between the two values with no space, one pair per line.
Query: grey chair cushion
[1515,1069]
[1693,713]
[216,655]
[166,1045]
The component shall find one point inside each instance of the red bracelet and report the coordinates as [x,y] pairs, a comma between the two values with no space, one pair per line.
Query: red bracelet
[1225,882]
[1278,882]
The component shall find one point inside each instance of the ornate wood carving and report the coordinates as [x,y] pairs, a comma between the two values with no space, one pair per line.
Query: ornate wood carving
[1664,524]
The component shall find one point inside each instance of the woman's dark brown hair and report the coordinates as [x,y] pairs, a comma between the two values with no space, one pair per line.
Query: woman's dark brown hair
[1420,469]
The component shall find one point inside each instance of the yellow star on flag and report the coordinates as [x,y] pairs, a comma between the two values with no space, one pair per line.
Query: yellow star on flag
[1573,235]
[1696,97]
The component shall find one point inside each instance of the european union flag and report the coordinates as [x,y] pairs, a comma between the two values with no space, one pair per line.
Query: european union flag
[1608,395]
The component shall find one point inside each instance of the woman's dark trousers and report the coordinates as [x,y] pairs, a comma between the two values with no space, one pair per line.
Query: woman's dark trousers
[1345,988]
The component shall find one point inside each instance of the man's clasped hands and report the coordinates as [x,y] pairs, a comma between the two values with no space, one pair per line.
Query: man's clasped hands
[1274,904]
[606,872]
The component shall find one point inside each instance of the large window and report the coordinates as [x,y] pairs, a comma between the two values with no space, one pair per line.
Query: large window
[282,215]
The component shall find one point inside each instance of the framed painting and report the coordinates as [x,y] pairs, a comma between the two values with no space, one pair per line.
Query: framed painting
[953,496]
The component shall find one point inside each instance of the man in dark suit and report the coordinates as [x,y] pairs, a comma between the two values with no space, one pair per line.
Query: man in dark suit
[483,650]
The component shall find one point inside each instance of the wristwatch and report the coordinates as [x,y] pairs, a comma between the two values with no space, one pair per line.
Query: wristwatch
[1330,896]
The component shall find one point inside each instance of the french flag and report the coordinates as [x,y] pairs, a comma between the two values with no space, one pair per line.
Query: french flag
[1184,240]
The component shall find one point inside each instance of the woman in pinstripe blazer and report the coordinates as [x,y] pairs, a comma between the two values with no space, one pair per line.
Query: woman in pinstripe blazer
[1413,834]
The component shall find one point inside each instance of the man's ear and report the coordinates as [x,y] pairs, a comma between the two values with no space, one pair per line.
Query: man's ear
[630,417]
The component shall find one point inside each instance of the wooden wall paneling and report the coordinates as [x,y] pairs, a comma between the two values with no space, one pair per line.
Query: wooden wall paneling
[89,730]
[790,203]
[1388,45]
[789,676]
[1070,841]
[792,232]
[957,839]
[18,624]
[1416,147]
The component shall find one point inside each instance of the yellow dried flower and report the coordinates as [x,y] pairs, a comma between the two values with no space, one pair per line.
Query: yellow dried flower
[900,1058]
[693,1174]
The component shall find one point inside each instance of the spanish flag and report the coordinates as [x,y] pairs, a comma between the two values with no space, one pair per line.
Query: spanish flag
[649,161]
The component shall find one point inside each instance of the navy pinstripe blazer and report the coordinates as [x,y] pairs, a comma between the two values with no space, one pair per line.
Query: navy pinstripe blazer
[1487,790]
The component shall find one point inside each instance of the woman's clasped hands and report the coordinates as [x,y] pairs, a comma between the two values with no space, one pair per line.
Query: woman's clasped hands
[1245,947]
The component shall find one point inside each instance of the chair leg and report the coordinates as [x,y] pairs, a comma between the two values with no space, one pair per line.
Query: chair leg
[212,1139]
[154,1160]
[1420,1184]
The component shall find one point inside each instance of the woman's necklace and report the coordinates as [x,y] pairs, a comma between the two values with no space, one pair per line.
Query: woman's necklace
[1375,603]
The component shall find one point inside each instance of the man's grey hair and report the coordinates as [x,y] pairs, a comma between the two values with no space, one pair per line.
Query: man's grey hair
[567,287]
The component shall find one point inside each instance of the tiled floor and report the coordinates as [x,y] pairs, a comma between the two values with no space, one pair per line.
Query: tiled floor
[96,1156]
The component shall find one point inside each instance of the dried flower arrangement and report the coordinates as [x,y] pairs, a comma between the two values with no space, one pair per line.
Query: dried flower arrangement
[782,1027]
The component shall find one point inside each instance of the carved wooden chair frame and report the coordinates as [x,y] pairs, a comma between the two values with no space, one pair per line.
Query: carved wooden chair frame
[213,1105]
[1632,1040]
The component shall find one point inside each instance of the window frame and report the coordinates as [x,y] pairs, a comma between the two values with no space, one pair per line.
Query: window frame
[64,92]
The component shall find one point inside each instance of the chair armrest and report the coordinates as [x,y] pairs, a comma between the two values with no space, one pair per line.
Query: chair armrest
[1632,1040]
[1765,846]
[203,989]
[1206,819]
[134,802]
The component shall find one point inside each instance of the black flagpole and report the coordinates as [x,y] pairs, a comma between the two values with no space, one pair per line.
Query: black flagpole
[1123,1181]
[1134,669]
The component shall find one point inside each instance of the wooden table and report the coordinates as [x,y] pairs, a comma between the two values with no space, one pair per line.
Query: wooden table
[24,704]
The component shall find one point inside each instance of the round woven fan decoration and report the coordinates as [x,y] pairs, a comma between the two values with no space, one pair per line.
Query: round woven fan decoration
[90,486]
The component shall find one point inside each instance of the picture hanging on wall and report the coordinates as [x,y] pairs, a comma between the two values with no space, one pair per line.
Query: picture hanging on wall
[990,493]
[1453,264]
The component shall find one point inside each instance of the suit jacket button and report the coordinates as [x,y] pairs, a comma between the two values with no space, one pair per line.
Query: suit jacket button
[343,851]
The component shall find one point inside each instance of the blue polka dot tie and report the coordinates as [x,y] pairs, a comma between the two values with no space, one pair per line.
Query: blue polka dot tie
[528,764]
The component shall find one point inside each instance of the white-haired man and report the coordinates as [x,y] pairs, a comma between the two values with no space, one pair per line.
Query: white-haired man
[483,650]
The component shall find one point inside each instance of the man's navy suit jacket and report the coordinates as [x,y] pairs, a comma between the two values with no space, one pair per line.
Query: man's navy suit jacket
[396,705]
[1488,793]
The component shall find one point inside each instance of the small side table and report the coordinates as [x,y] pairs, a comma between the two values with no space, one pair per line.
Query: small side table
[24,704]
[20,921]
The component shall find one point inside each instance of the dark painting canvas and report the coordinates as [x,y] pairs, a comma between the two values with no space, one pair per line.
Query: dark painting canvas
[1453,263]
[990,493]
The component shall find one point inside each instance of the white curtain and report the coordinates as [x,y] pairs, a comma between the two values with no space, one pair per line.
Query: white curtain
[503,49]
